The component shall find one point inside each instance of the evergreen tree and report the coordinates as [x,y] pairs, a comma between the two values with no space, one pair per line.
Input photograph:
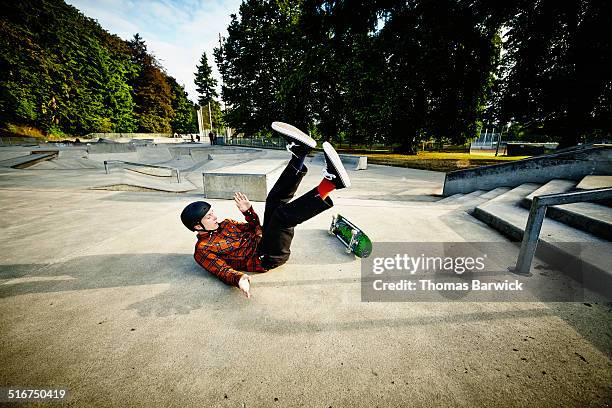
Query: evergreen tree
[253,65]
[205,82]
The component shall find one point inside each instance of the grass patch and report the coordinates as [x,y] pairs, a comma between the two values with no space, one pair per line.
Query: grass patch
[438,161]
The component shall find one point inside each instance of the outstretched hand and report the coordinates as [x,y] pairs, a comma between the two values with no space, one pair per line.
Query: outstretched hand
[242,202]
[244,284]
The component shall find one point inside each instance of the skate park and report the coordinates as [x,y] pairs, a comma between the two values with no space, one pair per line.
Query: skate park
[100,293]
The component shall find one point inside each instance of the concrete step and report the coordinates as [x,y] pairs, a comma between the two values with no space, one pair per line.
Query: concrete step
[495,192]
[255,179]
[514,195]
[552,187]
[590,217]
[469,197]
[450,199]
[506,215]
[593,182]
[471,200]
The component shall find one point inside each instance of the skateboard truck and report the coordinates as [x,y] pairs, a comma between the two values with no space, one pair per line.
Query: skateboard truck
[332,226]
[350,246]
[353,243]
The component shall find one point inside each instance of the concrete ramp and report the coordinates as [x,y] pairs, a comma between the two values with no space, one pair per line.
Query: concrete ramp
[350,161]
[69,164]
[152,154]
[101,157]
[97,148]
[254,179]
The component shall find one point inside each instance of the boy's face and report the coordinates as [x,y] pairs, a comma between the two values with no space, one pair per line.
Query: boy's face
[209,221]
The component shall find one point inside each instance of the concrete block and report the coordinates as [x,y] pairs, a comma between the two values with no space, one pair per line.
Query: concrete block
[254,179]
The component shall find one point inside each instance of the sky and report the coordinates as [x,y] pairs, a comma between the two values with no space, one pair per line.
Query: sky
[176,32]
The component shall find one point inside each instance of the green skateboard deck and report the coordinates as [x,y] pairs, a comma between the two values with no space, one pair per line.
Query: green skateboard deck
[353,238]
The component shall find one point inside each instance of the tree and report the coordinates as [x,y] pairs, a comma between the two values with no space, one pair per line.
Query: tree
[151,91]
[556,76]
[440,61]
[205,82]
[252,65]
[215,113]
[183,120]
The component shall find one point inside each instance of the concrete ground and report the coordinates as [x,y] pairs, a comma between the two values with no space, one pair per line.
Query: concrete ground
[99,293]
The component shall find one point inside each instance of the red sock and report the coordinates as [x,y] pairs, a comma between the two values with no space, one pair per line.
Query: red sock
[325,187]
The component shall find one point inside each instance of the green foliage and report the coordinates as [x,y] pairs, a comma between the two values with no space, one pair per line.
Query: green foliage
[215,114]
[397,72]
[253,62]
[205,83]
[557,73]
[325,65]
[151,91]
[184,120]
[61,72]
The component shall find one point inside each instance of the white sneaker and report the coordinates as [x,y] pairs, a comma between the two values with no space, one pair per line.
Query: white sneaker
[334,171]
[299,143]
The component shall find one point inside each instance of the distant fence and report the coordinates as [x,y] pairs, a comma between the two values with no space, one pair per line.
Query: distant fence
[264,142]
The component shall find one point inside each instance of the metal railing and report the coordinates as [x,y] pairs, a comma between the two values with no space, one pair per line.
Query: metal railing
[537,212]
[173,172]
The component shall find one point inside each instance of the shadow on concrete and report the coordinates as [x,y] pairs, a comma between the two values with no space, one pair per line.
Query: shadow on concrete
[398,197]
[589,329]
[192,288]
[288,327]
[152,197]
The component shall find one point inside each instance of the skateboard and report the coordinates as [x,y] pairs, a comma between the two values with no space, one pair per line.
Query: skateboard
[353,238]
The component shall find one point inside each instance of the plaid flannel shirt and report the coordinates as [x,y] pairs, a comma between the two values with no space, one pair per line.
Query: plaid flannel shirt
[230,248]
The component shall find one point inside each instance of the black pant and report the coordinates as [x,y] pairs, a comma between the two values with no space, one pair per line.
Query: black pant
[281,216]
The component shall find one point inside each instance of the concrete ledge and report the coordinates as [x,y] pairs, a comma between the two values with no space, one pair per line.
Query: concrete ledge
[254,179]
[23,162]
[572,164]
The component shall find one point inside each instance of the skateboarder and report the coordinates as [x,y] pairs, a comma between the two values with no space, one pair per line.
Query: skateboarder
[227,247]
